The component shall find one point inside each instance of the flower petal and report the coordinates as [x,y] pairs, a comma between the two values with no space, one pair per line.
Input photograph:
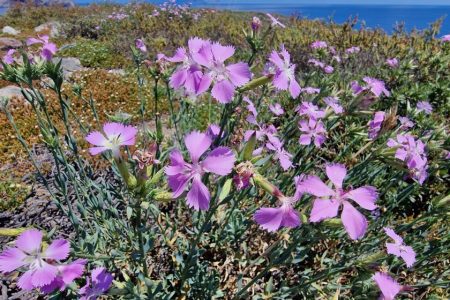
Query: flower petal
[324,209]
[269,218]
[388,286]
[43,275]
[29,241]
[178,78]
[25,282]
[11,259]
[290,218]
[408,255]
[223,91]
[97,139]
[391,233]
[294,88]
[58,250]
[220,161]
[365,196]
[197,143]
[315,186]
[354,222]
[97,150]
[239,73]
[222,53]
[198,196]
[336,173]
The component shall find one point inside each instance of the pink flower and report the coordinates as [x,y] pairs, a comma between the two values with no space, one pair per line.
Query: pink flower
[424,106]
[388,286]
[116,135]
[276,109]
[328,201]
[226,78]
[316,63]
[310,90]
[328,69]
[284,72]
[213,131]
[9,57]
[65,276]
[101,282]
[319,45]
[41,265]
[48,49]
[275,21]
[446,38]
[377,87]
[141,45]
[405,123]
[219,161]
[256,24]
[310,110]
[399,249]
[312,130]
[272,219]
[375,124]
[392,62]
[333,102]
[281,154]
[352,50]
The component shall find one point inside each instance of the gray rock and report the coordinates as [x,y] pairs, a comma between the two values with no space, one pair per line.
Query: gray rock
[9,43]
[10,30]
[69,65]
[10,92]
[53,28]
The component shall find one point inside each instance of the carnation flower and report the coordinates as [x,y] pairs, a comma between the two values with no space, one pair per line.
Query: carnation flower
[310,90]
[275,21]
[312,130]
[219,161]
[48,49]
[328,69]
[399,249]
[281,154]
[333,102]
[424,106]
[256,24]
[352,50]
[116,135]
[272,219]
[101,282]
[328,200]
[376,124]
[388,286]
[284,72]
[244,171]
[141,45]
[445,38]
[276,109]
[310,110]
[392,62]
[319,45]
[9,57]
[41,266]
[376,86]
[66,274]
[405,123]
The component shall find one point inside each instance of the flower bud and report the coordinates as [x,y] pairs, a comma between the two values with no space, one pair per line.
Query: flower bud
[256,24]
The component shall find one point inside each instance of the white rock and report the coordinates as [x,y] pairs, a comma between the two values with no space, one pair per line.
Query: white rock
[52,27]
[10,92]
[10,30]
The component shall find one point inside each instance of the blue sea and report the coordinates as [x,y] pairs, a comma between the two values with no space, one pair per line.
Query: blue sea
[383,16]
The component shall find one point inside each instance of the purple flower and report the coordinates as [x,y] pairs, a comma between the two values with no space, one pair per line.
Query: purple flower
[9,57]
[328,69]
[388,286]
[256,24]
[310,90]
[412,152]
[352,50]
[48,49]
[282,155]
[319,45]
[65,276]
[356,87]
[213,131]
[329,201]
[310,110]
[425,107]
[276,109]
[316,63]
[244,171]
[399,249]
[284,75]
[116,135]
[226,78]
[333,102]
[375,124]
[392,62]
[41,265]
[272,219]
[312,130]
[446,38]
[275,21]
[101,282]
[377,87]
[141,45]
[405,123]
[180,173]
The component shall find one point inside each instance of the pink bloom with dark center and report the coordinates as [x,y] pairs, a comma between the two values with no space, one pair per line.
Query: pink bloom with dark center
[115,135]
[272,219]
[101,282]
[48,49]
[284,75]
[424,106]
[281,154]
[399,249]
[275,21]
[225,78]
[310,110]
[388,286]
[333,102]
[330,200]
[392,62]
[9,57]
[375,124]
[28,254]
[141,45]
[312,130]
[219,161]
[276,109]
[319,45]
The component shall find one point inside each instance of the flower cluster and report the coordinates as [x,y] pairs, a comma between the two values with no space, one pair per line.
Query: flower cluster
[48,49]
[376,86]
[312,129]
